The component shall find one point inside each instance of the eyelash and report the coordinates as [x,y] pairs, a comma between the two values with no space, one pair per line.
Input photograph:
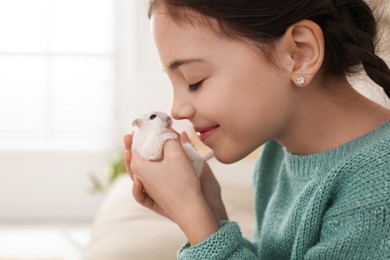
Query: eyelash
[194,87]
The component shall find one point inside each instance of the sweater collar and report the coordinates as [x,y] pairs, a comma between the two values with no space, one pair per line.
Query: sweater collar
[306,166]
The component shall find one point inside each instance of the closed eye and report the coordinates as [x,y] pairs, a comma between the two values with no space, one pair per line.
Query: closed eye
[194,87]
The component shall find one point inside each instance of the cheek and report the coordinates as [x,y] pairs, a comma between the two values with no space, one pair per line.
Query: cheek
[233,144]
[244,132]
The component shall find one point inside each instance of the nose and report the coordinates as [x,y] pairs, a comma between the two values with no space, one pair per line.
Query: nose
[181,109]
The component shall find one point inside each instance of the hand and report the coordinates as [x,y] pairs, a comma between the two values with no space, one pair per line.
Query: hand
[210,188]
[172,187]
[138,191]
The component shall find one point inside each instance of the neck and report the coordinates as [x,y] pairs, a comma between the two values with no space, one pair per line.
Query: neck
[329,117]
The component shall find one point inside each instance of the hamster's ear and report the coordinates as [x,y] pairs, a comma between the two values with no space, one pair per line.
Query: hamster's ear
[137,122]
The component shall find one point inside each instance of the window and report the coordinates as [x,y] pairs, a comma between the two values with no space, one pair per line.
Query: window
[56,73]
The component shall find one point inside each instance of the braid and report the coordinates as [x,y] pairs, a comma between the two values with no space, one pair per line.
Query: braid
[378,71]
[352,33]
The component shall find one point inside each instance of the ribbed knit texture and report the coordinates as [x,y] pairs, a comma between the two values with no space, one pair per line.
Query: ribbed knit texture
[329,205]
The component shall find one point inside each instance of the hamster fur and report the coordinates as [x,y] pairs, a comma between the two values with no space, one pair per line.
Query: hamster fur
[152,132]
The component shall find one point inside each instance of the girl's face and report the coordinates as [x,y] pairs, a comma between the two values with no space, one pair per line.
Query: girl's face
[235,99]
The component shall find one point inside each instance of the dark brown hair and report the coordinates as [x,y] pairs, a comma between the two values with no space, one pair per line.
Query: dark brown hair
[349,27]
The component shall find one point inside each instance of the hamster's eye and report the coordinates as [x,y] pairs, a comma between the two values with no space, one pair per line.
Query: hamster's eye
[152,117]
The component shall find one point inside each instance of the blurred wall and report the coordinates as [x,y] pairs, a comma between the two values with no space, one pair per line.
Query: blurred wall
[53,185]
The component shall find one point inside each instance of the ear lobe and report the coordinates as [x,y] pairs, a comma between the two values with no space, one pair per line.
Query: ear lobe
[306,47]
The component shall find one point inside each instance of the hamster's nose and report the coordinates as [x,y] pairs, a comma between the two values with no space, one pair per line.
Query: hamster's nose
[169,120]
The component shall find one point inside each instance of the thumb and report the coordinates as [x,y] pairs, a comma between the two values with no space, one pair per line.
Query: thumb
[184,138]
[172,148]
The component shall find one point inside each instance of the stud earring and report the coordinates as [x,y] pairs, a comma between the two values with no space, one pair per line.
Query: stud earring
[300,81]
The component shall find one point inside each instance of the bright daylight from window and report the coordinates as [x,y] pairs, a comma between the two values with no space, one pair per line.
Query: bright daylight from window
[56,73]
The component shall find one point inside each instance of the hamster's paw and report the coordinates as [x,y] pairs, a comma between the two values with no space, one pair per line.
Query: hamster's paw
[208,156]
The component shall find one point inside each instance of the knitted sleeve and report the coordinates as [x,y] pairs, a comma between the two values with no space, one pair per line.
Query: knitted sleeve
[227,243]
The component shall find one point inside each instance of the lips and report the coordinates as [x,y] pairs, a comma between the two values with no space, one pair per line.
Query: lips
[206,132]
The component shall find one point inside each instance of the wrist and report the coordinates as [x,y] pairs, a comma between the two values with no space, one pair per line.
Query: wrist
[197,222]
[218,210]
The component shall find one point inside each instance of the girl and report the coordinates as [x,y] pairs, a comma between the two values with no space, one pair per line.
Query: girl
[248,73]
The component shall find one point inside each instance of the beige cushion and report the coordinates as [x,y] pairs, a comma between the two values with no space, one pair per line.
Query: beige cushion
[123,230]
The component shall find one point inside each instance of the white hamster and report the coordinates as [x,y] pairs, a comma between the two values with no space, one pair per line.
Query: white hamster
[152,132]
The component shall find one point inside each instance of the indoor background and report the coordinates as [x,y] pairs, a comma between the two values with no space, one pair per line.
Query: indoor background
[73,76]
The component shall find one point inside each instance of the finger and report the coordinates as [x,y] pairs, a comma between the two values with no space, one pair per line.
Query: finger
[127,160]
[141,196]
[138,191]
[136,159]
[138,165]
[207,174]
[184,138]
[127,140]
[172,148]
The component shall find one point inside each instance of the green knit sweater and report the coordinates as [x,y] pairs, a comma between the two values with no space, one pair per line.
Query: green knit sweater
[329,205]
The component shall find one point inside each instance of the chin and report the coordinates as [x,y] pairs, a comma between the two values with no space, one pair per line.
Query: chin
[226,158]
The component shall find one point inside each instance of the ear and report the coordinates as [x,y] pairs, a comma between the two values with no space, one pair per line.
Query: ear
[137,122]
[304,43]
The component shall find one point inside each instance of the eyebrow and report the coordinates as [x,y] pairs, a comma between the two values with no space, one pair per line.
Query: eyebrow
[177,63]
